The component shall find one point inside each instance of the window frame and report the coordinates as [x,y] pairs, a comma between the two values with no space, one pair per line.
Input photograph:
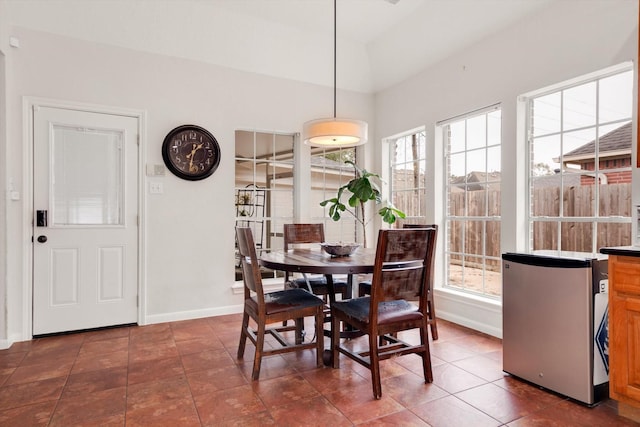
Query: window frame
[561,219]
[392,141]
[347,228]
[444,126]
[267,228]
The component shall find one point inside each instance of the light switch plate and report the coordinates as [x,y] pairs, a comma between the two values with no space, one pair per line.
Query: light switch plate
[155,188]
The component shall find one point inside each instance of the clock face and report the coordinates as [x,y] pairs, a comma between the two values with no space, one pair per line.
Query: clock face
[191,152]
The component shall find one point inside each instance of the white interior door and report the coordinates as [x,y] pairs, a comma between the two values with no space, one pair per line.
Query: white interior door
[85,225]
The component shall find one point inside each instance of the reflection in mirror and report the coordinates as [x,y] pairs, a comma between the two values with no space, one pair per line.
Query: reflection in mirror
[264,172]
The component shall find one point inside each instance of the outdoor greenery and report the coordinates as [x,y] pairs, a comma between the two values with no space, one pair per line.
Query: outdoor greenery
[341,156]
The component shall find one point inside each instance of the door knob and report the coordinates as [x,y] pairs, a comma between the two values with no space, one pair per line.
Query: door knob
[42,239]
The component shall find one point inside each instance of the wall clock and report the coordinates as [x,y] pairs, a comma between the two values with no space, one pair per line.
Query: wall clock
[191,152]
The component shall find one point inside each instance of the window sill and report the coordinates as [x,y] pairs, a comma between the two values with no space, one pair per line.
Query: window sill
[269,285]
[472,311]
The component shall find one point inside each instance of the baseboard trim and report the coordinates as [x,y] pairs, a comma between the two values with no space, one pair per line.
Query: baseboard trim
[192,314]
[7,343]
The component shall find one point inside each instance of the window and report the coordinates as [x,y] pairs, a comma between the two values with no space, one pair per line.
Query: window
[264,185]
[407,171]
[328,173]
[580,139]
[473,170]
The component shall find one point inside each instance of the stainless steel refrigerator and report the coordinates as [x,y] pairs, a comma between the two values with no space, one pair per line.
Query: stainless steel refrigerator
[555,329]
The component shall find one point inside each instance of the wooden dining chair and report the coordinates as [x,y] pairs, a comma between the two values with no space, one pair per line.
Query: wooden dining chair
[402,268]
[364,287]
[304,234]
[273,307]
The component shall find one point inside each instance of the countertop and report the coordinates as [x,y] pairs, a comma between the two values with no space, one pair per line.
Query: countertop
[622,250]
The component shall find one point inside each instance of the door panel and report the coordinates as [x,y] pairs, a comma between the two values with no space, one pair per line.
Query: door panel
[85,271]
[64,279]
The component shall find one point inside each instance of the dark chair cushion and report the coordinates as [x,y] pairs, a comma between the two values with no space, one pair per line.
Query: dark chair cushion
[388,312]
[318,285]
[279,301]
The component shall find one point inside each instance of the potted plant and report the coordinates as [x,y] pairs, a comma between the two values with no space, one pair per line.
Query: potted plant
[363,188]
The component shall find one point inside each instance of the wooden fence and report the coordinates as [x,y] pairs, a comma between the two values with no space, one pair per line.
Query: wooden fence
[578,201]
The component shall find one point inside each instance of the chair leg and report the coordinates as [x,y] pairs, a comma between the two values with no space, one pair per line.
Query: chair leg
[426,355]
[243,335]
[257,360]
[431,314]
[335,341]
[319,336]
[299,330]
[374,365]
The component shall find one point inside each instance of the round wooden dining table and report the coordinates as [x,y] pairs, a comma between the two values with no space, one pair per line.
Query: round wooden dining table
[317,261]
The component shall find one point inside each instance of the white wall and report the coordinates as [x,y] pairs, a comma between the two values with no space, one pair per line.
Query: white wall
[564,41]
[189,228]
[189,276]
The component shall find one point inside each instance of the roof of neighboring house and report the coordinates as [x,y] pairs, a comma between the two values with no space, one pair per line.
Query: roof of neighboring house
[492,179]
[569,179]
[617,141]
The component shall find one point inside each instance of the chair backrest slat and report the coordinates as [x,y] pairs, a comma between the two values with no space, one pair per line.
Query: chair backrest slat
[250,268]
[302,234]
[404,260]
[430,278]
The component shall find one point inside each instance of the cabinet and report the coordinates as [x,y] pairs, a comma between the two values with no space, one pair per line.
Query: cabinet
[624,329]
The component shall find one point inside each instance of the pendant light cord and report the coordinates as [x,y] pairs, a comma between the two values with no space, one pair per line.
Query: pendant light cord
[335,56]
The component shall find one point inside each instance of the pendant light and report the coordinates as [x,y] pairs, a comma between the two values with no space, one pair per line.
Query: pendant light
[335,132]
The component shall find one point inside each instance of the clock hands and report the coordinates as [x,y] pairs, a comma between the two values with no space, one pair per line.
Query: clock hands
[190,156]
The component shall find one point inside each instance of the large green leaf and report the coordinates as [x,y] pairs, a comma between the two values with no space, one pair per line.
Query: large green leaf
[363,187]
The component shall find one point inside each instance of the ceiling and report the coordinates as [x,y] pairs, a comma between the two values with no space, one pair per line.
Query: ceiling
[379,43]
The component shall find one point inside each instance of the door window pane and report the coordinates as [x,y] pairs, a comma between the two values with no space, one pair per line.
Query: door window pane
[87,179]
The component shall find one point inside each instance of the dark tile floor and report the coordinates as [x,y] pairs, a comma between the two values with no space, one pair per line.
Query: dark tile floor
[186,373]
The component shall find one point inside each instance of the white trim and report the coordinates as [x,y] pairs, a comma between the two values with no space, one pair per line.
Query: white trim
[388,139]
[477,112]
[142,215]
[576,81]
[268,285]
[28,103]
[480,314]
[193,314]
[27,209]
